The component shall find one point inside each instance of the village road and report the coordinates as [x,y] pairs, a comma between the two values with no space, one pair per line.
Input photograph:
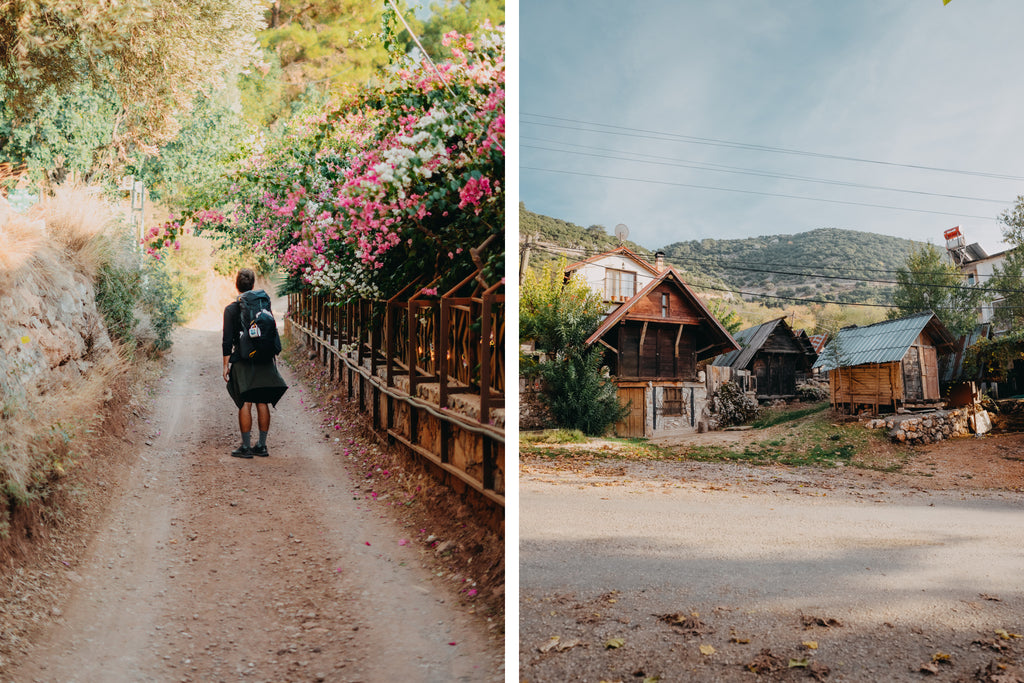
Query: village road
[905,573]
[214,568]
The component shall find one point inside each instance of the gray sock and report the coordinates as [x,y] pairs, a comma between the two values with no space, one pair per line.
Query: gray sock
[263,438]
[246,439]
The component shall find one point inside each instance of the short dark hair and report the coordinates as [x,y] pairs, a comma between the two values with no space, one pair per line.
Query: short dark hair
[245,280]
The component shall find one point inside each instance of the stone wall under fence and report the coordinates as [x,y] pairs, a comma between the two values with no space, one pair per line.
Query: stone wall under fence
[533,412]
[936,425]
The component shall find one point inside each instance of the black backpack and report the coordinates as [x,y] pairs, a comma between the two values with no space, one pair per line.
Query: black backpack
[258,340]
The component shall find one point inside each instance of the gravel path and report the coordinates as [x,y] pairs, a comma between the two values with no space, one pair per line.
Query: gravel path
[213,568]
[878,577]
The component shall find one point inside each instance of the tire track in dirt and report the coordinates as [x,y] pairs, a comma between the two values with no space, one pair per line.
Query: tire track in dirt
[213,568]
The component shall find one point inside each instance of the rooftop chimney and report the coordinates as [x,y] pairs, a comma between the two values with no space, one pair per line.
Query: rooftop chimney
[659,261]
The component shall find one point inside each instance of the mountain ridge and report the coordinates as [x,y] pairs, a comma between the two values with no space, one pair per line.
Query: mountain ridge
[822,264]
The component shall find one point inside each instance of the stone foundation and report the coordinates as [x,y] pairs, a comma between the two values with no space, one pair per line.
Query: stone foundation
[933,426]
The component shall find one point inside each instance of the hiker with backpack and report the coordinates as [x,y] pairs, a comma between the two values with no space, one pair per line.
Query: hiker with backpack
[250,344]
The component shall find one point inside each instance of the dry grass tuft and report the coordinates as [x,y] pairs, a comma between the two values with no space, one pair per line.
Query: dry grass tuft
[20,239]
[42,441]
[76,218]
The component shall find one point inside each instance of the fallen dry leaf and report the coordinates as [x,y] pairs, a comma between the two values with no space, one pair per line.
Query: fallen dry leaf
[1006,635]
[994,644]
[550,645]
[997,672]
[765,662]
[929,668]
[689,624]
[613,643]
[707,650]
[799,663]
[941,657]
[810,644]
[809,621]
[818,671]
[986,596]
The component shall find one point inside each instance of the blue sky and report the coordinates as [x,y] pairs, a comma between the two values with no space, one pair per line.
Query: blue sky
[906,82]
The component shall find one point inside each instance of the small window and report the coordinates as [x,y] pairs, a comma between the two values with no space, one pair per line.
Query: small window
[664,305]
[672,402]
[619,285]
[970,279]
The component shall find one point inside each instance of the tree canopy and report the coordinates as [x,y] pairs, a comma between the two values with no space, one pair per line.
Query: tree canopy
[154,54]
[1007,281]
[927,282]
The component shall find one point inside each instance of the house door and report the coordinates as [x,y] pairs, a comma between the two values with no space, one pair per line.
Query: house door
[633,424]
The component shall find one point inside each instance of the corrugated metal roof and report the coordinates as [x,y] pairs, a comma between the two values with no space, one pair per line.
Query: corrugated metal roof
[750,340]
[884,342]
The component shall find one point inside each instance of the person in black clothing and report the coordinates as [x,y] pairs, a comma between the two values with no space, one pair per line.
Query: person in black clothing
[248,382]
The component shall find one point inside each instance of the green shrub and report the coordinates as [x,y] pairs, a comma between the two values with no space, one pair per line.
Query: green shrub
[579,395]
[162,299]
[118,288]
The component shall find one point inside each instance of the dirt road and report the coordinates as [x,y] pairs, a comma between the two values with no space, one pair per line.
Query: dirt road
[852,575]
[213,568]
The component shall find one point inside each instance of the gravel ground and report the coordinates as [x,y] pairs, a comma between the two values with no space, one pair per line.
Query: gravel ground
[189,565]
[685,571]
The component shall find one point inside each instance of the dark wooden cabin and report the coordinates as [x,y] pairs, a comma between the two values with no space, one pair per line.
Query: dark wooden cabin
[661,333]
[774,355]
[653,342]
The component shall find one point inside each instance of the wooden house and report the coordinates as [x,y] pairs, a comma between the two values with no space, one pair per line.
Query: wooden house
[653,341]
[774,355]
[889,365]
[618,274]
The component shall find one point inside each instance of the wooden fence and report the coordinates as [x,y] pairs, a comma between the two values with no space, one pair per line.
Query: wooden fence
[429,370]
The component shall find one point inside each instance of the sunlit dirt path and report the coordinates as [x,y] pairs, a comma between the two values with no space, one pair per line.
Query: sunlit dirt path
[213,568]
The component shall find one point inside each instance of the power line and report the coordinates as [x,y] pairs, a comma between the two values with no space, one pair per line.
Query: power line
[726,263]
[810,300]
[721,168]
[645,133]
[756,192]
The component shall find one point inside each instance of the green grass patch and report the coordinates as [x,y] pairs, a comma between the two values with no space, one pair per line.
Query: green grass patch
[777,416]
[553,436]
[605,449]
[813,441]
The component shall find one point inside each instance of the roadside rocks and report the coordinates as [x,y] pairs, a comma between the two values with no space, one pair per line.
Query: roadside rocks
[933,426]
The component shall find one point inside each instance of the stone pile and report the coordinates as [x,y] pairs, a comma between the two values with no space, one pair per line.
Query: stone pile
[936,425]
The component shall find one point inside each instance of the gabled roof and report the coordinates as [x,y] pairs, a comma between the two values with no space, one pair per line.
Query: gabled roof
[618,251]
[668,274]
[751,340]
[818,342]
[884,342]
[754,338]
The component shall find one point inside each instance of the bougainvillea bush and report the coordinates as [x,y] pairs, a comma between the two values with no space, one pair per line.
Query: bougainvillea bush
[385,187]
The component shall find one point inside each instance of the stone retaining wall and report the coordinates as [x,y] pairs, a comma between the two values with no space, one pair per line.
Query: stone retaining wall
[533,412]
[932,426]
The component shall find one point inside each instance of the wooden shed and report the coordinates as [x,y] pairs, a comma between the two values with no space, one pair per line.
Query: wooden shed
[888,365]
[775,356]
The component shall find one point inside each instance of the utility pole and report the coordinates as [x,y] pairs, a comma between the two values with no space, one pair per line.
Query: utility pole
[524,257]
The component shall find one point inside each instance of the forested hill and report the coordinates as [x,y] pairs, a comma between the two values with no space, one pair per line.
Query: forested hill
[754,264]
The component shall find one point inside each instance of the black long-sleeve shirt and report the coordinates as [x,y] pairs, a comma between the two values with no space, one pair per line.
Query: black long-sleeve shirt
[232,327]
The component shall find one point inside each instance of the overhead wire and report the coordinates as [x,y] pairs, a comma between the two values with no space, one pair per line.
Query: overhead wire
[805,299]
[725,263]
[693,139]
[757,192]
[722,168]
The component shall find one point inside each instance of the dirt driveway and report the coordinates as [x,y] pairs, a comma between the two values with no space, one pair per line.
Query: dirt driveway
[686,571]
[286,568]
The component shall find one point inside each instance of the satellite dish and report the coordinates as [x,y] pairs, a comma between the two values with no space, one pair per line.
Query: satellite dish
[621,232]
